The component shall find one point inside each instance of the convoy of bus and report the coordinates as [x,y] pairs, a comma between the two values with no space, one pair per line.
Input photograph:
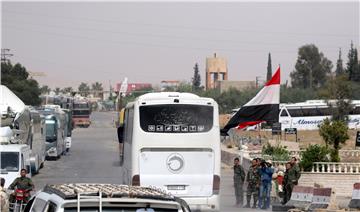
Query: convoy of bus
[172,141]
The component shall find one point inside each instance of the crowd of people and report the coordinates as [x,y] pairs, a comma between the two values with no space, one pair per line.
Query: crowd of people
[266,184]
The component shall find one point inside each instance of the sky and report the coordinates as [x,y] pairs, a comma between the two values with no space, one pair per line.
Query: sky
[74,42]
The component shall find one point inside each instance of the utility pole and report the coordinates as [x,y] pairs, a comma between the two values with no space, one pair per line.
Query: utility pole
[4,55]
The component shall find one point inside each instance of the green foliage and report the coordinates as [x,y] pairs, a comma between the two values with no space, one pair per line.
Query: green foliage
[84,89]
[291,95]
[269,69]
[196,80]
[15,77]
[334,133]
[277,152]
[353,66]
[341,90]
[339,66]
[57,90]
[310,62]
[67,90]
[45,89]
[314,153]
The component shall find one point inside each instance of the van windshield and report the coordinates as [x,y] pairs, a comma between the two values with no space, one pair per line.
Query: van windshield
[10,161]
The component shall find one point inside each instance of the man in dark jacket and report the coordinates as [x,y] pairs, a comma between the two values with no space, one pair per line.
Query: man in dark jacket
[239,178]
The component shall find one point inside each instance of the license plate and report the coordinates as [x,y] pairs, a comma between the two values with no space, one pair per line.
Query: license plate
[176,187]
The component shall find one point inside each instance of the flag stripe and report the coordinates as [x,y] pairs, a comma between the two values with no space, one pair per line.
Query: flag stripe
[275,78]
[267,95]
[269,113]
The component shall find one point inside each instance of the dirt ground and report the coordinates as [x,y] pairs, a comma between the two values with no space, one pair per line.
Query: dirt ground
[305,137]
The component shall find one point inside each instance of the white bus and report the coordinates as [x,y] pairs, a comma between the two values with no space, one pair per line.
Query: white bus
[310,114]
[172,142]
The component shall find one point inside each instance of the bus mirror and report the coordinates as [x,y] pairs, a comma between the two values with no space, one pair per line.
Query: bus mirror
[120,132]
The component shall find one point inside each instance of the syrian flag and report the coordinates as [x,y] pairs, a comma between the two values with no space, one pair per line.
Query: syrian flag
[264,107]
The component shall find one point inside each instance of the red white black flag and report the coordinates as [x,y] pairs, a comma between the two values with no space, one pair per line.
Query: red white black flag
[264,107]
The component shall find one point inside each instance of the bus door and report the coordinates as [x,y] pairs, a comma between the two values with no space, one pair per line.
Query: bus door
[285,119]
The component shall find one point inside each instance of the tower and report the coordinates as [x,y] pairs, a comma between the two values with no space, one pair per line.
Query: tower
[216,70]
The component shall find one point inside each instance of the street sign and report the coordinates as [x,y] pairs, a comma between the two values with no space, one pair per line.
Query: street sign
[276,128]
[290,131]
[357,141]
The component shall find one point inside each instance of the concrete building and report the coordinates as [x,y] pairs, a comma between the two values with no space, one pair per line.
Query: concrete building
[239,85]
[216,70]
[169,84]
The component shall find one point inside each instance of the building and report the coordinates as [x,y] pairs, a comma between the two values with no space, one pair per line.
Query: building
[165,84]
[239,85]
[216,70]
[131,87]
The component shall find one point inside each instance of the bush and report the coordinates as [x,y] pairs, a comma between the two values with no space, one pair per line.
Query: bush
[277,153]
[314,153]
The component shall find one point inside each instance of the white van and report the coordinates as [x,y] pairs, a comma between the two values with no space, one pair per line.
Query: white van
[14,157]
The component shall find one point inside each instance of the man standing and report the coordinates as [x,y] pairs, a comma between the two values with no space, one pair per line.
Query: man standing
[296,169]
[4,207]
[253,180]
[289,180]
[266,173]
[239,178]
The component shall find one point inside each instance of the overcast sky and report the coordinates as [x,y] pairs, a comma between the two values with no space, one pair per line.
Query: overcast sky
[150,42]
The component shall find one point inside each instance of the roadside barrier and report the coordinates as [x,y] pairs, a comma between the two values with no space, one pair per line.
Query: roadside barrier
[355,199]
[321,198]
[301,197]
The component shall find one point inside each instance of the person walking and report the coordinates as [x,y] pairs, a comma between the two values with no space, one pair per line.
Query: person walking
[266,173]
[253,180]
[239,178]
[4,199]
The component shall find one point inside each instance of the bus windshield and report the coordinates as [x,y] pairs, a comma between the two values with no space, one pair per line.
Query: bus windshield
[179,118]
[81,112]
[10,161]
[50,132]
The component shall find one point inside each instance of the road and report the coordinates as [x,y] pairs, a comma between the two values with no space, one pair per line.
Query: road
[94,158]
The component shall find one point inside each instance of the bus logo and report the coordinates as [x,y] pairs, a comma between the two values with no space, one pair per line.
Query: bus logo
[175,163]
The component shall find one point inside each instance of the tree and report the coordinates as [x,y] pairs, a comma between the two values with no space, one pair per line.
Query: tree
[311,68]
[313,153]
[57,90]
[269,69]
[339,65]
[353,66]
[196,80]
[84,89]
[340,90]
[97,89]
[334,133]
[15,77]
[45,89]
[67,90]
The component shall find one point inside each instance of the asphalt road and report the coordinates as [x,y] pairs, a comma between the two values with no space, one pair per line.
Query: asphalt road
[94,158]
